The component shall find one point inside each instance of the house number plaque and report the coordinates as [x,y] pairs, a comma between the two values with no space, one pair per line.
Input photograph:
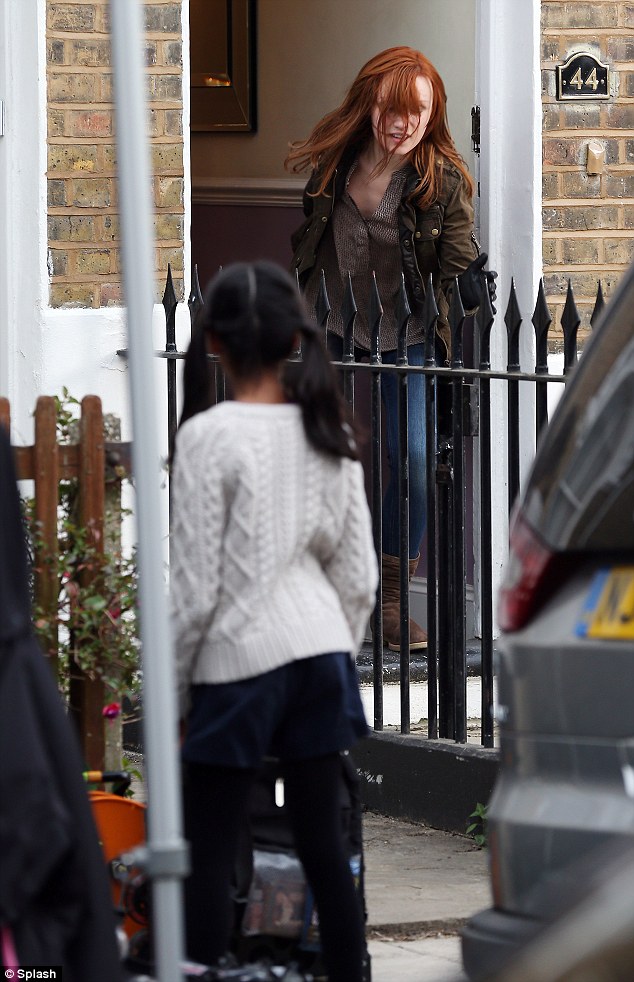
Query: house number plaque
[583,77]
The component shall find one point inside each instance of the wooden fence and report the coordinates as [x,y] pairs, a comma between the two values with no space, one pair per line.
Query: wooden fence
[48,462]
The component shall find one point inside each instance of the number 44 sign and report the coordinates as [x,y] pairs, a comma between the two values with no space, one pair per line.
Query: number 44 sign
[583,77]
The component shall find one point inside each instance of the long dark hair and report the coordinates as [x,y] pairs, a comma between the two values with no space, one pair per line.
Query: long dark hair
[256,313]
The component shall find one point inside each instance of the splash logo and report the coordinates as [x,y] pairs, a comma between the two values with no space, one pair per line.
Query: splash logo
[35,972]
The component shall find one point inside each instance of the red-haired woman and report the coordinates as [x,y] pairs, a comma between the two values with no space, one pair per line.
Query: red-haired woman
[390,194]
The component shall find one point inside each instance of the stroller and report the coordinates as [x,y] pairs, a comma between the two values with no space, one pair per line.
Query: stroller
[275,915]
[120,824]
[276,933]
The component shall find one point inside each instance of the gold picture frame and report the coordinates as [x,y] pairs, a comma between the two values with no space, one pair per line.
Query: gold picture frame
[223,65]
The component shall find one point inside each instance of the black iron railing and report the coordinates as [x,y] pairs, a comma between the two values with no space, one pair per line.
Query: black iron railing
[458,425]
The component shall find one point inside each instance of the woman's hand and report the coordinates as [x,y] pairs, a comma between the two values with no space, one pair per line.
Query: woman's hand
[471,281]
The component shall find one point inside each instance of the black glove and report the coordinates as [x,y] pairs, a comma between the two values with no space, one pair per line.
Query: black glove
[470,283]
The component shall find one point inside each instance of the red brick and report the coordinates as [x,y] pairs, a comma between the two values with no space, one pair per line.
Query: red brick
[90,123]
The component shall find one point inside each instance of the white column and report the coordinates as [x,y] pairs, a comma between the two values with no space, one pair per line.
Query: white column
[509,94]
[23,238]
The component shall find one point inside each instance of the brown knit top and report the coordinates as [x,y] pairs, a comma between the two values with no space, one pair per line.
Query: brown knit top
[359,246]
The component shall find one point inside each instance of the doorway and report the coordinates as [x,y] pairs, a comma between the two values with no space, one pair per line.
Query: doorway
[244,204]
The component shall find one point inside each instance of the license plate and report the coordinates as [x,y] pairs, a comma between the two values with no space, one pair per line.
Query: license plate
[608,611]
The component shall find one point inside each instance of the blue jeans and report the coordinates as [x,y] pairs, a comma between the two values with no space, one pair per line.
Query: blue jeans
[416,433]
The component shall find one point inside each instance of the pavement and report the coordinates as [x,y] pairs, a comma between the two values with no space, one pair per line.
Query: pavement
[421,886]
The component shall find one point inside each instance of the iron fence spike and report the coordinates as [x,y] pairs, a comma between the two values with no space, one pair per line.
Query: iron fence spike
[570,322]
[169,293]
[513,321]
[456,324]
[322,303]
[542,320]
[402,314]
[484,323]
[599,305]
[170,303]
[430,317]
[349,314]
[195,300]
[375,317]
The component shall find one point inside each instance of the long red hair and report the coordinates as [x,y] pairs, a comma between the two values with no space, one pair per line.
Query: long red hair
[388,78]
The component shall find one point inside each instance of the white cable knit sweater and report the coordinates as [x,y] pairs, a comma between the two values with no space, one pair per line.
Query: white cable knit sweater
[271,549]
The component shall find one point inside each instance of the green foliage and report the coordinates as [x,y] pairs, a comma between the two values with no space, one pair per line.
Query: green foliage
[134,773]
[478,828]
[96,618]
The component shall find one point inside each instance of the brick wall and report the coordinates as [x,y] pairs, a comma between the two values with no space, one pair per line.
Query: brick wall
[83,233]
[588,221]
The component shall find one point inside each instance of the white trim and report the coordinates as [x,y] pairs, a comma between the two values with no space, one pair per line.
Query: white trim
[249,191]
[187,186]
[23,231]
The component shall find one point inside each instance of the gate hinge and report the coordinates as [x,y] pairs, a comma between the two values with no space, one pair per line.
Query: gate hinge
[470,409]
[475,129]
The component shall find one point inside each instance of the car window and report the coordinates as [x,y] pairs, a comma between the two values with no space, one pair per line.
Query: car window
[580,494]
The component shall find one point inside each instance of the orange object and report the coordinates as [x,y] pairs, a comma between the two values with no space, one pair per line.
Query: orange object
[121,826]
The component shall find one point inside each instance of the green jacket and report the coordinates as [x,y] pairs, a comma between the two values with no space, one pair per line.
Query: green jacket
[439,240]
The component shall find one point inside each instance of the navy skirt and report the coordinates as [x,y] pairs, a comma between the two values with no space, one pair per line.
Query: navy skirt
[307,708]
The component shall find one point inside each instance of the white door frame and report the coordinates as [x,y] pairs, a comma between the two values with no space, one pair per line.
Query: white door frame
[23,274]
[508,87]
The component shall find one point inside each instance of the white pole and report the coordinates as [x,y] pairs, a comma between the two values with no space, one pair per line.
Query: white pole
[166,849]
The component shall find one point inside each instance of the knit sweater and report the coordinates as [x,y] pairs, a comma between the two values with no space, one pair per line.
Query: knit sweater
[271,554]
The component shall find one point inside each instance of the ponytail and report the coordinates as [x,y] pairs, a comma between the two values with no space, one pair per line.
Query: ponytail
[312,384]
[196,376]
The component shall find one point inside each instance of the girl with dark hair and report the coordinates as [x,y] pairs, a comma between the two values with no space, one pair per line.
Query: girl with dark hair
[389,194]
[273,577]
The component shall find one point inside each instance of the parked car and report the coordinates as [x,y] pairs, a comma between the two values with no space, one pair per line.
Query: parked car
[565,671]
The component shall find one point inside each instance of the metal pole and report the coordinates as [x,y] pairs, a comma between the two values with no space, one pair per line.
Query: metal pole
[166,853]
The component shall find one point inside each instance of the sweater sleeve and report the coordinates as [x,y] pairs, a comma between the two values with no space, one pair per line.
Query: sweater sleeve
[198,522]
[352,567]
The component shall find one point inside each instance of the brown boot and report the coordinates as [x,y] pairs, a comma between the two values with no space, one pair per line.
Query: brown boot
[392,607]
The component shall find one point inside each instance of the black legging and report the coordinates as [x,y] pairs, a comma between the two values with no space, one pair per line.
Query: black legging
[216,801]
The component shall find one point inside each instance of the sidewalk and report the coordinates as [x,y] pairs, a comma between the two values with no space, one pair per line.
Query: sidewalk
[421,886]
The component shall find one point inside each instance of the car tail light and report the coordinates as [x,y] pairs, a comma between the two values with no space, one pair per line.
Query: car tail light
[527,573]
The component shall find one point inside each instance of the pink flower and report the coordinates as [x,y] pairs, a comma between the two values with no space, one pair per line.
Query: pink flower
[111,711]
